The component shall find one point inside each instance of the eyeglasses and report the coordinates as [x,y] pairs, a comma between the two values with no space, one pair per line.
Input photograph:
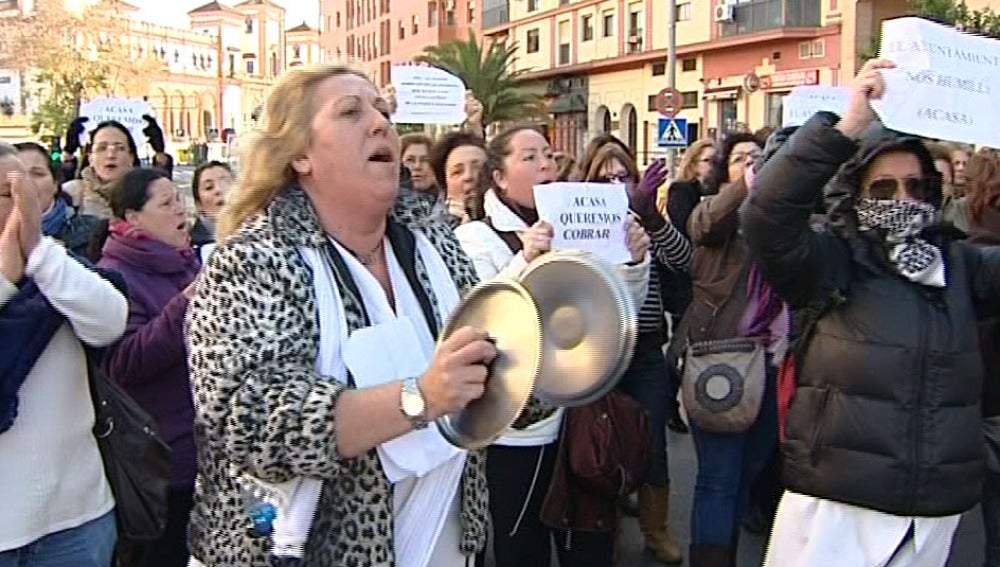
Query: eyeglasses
[614,178]
[887,188]
[744,158]
[115,148]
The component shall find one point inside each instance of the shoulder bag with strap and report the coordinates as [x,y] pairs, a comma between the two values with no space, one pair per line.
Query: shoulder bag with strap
[136,460]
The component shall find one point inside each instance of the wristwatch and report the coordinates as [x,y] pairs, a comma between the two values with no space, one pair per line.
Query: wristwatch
[411,403]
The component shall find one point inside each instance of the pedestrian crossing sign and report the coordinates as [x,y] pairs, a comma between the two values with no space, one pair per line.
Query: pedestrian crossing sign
[672,133]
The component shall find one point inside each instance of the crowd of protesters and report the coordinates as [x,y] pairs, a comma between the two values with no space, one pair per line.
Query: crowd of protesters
[862,262]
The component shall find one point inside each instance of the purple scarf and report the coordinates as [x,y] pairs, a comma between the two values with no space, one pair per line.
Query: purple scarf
[768,306]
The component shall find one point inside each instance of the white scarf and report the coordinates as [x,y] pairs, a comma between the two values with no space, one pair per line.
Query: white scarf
[424,454]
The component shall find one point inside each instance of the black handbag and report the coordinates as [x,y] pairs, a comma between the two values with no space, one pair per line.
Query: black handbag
[136,460]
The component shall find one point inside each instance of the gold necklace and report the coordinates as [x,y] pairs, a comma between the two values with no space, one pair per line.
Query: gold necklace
[369,258]
[366,260]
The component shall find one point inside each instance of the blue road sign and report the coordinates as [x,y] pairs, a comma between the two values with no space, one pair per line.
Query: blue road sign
[672,133]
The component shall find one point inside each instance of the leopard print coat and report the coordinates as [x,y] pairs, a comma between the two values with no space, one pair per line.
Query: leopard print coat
[262,410]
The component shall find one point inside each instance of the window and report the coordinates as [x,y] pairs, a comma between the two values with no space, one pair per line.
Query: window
[249,24]
[250,67]
[659,69]
[587,23]
[819,48]
[563,53]
[432,14]
[563,2]
[449,18]
[532,41]
[472,12]
[812,49]
[689,99]
[274,65]
[684,12]
[773,104]
[296,52]
[414,25]
[689,64]
[338,19]
[634,25]
[402,30]
[651,103]
[609,24]
[384,71]
[532,5]
[232,64]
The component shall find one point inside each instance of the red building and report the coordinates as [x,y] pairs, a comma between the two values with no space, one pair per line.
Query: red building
[375,34]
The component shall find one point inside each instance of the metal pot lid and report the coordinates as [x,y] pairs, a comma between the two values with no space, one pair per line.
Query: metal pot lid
[508,313]
[589,326]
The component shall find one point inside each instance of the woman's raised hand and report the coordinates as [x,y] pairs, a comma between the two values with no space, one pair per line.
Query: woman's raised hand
[537,240]
[11,259]
[868,85]
[457,374]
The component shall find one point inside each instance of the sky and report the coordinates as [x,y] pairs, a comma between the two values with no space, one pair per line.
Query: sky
[175,12]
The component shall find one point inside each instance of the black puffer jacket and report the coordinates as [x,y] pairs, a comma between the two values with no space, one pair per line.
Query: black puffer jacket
[886,414]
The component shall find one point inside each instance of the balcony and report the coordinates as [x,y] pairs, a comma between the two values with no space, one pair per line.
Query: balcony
[762,15]
[495,13]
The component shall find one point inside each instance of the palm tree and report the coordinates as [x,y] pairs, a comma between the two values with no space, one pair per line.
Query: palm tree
[487,70]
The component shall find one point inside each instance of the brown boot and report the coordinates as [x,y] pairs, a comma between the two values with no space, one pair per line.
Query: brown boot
[654,509]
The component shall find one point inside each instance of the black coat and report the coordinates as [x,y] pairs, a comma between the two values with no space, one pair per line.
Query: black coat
[886,414]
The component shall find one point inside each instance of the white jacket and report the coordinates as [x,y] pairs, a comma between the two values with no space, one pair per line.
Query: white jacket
[493,258]
[50,467]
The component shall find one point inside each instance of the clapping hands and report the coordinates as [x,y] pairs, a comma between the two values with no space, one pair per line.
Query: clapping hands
[22,230]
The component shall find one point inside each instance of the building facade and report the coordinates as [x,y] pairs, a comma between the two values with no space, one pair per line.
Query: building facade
[210,79]
[375,34]
[601,63]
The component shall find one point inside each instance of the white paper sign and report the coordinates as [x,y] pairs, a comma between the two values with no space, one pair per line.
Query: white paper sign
[427,95]
[128,111]
[803,102]
[946,83]
[587,216]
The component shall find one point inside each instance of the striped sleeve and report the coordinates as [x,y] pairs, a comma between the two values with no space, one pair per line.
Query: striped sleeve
[670,247]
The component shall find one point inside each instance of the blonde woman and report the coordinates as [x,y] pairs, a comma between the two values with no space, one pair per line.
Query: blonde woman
[687,190]
[315,247]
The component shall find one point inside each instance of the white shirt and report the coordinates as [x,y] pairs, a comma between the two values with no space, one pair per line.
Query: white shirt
[50,467]
[822,533]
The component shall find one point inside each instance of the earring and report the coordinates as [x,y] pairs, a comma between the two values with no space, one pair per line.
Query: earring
[302,166]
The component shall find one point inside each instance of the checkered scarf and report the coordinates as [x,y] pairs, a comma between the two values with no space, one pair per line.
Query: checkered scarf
[901,222]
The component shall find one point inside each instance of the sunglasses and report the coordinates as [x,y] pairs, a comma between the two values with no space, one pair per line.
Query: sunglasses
[614,178]
[885,189]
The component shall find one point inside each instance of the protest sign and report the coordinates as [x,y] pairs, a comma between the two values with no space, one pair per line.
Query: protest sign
[586,216]
[427,95]
[945,84]
[803,102]
[128,111]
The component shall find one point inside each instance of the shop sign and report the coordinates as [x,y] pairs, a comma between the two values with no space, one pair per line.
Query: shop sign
[791,79]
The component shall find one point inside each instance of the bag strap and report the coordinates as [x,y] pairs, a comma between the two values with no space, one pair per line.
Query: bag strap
[509,237]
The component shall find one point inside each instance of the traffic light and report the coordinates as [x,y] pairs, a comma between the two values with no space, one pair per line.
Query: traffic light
[55,151]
